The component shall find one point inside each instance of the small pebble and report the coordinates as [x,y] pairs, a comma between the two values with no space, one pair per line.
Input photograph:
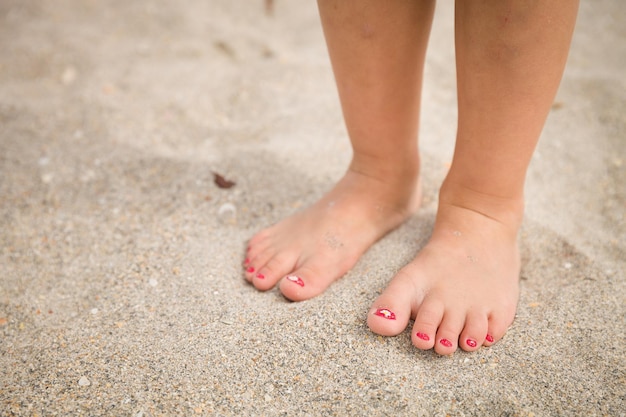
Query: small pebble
[153,282]
[227,213]
[84,382]
[94,311]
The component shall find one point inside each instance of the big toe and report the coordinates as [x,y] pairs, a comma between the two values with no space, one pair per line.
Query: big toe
[391,312]
[305,282]
[314,276]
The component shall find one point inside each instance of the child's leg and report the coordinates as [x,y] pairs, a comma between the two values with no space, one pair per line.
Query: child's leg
[462,288]
[377,51]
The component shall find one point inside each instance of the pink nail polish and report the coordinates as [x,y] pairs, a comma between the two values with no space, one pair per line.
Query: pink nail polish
[489,338]
[385,313]
[471,343]
[246,261]
[260,276]
[422,336]
[445,342]
[295,279]
[250,269]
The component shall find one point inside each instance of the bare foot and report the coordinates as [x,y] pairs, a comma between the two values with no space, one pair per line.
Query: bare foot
[309,250]
[462,288]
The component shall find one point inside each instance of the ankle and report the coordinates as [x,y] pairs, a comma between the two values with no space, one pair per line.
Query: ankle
[394,187]
[505,209]
[403,169]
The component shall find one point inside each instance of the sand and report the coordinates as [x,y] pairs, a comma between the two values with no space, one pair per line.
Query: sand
[121,288]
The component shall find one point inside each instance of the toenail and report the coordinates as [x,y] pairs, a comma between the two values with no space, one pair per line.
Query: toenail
[385,313]
[489,338]
[250,269]
[246,261]
[260,276]
[471,343]
[445,342]
[422,336]
[295,279]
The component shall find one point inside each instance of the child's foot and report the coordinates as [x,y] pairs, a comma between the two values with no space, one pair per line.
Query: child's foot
[462,288]
[309,250]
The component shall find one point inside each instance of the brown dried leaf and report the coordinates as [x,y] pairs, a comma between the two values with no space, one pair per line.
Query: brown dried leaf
[222,182]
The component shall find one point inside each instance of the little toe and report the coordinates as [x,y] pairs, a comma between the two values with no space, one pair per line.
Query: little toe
[474,332]
[427,320]
[495,331]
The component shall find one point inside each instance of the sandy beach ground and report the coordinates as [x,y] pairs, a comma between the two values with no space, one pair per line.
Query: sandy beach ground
[121,288]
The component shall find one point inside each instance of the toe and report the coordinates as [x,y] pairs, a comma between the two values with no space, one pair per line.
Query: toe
[250,268]
[255,257]
[446,341]
[495,330]
[474,332]
[391,312]
[303,283]
[253,251]
[315,273]
[273,269]
[256,262]
[427,321]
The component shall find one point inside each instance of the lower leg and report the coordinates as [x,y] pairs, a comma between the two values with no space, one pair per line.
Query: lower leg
[462,288]
[510,59]
[377,51]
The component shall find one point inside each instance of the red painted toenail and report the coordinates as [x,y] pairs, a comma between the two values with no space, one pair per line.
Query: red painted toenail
[422,336]
[246,261]
[471,343]
[489,338]
[385,313]
[260,276]
[446,342]
[250,269]
[295,279]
